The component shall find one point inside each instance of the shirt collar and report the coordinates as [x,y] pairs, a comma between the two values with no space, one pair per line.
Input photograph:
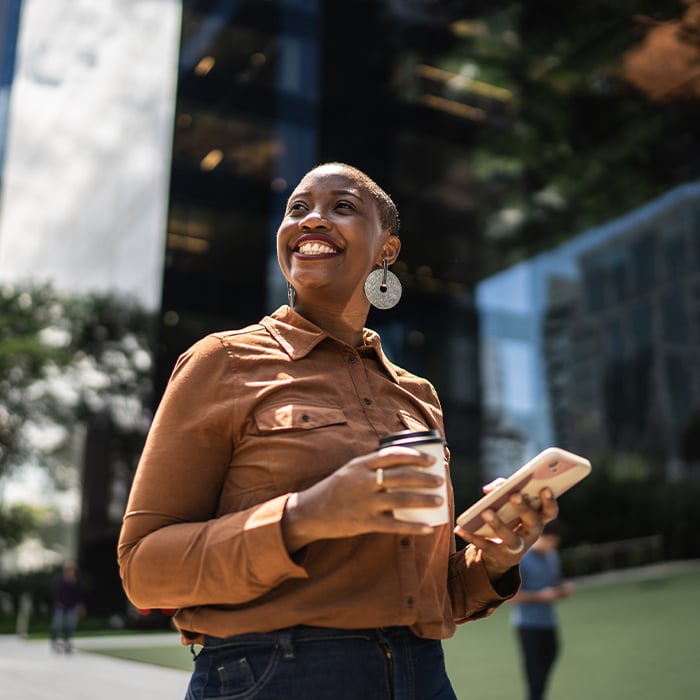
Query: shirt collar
[297,336]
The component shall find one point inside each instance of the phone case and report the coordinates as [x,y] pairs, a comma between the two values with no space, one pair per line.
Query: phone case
[554,468]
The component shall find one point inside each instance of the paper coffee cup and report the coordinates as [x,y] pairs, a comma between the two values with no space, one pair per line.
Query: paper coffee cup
[432,443]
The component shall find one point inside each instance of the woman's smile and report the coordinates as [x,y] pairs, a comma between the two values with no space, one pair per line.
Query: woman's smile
[315,245]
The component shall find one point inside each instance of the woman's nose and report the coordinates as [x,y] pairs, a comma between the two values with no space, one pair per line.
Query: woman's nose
[313,220]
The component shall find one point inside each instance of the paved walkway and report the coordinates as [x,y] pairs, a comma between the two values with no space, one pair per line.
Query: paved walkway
[30,670]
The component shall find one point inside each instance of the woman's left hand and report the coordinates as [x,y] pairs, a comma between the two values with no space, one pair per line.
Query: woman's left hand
[506,547]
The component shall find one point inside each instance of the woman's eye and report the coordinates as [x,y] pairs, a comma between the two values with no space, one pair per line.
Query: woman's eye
[296,206]
[344,205]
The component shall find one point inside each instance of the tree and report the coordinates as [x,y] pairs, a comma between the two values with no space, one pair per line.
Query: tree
[65,360]
[16,521]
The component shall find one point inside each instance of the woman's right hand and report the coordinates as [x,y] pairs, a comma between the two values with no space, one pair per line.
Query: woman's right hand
[350,501]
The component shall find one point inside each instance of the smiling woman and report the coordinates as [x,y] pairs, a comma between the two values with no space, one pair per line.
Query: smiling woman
[263,508]
[335,231]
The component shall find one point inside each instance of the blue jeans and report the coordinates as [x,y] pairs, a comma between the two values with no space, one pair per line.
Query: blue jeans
[314,663]
[63,623]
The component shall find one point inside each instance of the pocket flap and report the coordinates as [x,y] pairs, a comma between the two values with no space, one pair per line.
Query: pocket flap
[298,417]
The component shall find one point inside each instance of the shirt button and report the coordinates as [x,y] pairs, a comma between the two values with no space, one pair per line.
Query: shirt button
[409,601]
[305,418]
[405,542]
[366,401]
[352,359]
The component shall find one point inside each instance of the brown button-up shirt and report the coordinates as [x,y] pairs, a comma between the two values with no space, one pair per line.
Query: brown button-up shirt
[249,417]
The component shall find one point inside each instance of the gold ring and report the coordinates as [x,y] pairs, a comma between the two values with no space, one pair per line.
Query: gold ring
[519,548]
[379,478]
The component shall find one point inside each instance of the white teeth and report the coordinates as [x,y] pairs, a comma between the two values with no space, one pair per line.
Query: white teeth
[315,248]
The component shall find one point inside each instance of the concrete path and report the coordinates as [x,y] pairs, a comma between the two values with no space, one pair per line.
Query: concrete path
[30,670]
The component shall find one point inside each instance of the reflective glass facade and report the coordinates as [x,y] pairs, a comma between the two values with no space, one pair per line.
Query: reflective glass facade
[545,165]
[9,26]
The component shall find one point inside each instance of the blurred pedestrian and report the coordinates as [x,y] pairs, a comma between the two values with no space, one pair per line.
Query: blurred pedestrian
[534,615]
[67,607]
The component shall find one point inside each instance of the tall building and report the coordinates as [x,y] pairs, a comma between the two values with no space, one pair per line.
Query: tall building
[630,379]
[85,178]
[267,90]
[595,344]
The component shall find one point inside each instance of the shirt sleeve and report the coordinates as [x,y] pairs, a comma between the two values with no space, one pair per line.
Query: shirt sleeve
[472,593]
[173,550]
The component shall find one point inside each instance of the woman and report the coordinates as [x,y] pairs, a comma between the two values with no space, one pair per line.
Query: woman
[261,508]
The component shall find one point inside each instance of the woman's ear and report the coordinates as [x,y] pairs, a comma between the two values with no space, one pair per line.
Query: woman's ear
[390,249]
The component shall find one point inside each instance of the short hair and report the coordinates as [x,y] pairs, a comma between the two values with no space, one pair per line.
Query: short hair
[554,527]
[388,212]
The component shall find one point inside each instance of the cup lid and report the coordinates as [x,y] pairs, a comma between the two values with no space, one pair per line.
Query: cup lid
[410,437]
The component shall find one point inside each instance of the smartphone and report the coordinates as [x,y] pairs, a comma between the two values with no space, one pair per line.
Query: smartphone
[554,468]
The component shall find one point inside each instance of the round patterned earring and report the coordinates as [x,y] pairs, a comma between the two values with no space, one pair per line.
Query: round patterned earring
[382,287]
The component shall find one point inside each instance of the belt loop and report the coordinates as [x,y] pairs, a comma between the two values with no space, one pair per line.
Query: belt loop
[284,640]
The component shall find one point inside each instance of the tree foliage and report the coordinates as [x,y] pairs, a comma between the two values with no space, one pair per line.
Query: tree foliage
[16,522]
[65,359]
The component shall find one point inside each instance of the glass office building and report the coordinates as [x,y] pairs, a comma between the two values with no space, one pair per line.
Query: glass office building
[428,98]
[270,88]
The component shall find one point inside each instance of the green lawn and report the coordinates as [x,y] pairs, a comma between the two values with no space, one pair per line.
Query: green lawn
[636,640]
[631,639]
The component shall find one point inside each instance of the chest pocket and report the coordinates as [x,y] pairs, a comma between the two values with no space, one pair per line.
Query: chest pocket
[297,417]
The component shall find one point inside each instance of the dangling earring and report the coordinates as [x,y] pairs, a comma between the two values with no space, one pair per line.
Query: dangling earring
[382,287]
[291,295]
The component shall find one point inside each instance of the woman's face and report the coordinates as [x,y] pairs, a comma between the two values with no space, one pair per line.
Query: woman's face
[331,237]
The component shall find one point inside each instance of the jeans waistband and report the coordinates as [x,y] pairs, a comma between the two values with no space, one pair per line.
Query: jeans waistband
[304,633]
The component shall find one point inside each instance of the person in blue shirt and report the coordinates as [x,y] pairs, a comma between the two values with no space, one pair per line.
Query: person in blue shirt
[534,615]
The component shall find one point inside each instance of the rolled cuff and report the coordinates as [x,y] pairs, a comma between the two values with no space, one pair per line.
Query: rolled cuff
[474,596]
[270,563]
